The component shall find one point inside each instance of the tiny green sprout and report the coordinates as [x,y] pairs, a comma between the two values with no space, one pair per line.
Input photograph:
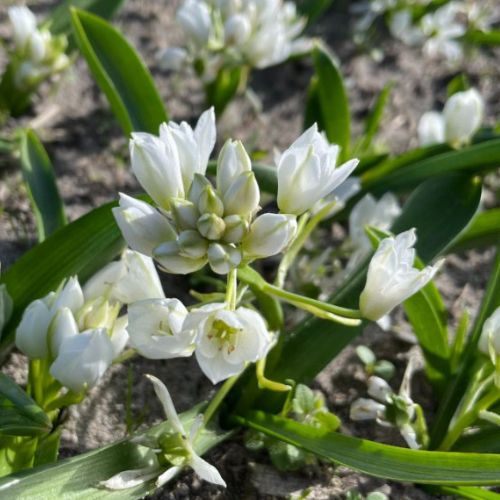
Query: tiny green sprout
[382,367]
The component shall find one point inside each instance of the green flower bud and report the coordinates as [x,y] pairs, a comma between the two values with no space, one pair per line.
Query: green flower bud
[242,196]
[209,202]
[192,244]
[200,182]
[236,228]
[211,226]
[223,258]
[185,213]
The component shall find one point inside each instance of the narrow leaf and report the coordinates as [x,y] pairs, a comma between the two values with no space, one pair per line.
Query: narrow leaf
[41,184]
[19,414]
[120,73]
[381,460]
[483,230]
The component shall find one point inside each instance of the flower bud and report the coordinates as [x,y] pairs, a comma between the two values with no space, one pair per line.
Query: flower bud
[237,29]
[37,46]
[269,234]
[211,226]
[184,213]
[223,258]
[31,334]
[62,327]
[463,115]
[209,202]
[192,245]
[366,409]
[71,296]
[431,129]
[23,23]
[489,342]
[379,389]
[194,17]
[236,228]
[242,196]
[200,182]
[173,58]
[233,160]
[169,257]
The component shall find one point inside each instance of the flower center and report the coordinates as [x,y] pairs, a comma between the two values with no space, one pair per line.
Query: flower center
[224,335]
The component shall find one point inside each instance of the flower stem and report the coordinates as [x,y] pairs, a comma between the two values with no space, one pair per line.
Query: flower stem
[305,228]
[265,383]
[218,398]
[231,289]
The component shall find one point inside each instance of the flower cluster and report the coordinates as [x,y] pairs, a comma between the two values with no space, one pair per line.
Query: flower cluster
[80,330]
[36,53]
[222,33]
[224,341]
[392,409]
[461,118]
[194,222]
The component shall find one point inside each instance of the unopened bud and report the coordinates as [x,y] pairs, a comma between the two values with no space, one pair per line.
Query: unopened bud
[242,196]
[185,213]
[192,244]
[209,202]
[223,258]
[236,228]
[211,226]
[200,182]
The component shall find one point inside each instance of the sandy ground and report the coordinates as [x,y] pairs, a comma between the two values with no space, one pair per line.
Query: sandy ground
[91,162]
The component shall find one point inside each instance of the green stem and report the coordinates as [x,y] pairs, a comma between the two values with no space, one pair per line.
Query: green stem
[218,398]
[265,383]
[468,418]
[231,289]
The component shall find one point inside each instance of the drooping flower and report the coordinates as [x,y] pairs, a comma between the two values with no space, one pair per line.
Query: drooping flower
[308,171]
[194,222]
[227,340]
[174,448]
[391,276]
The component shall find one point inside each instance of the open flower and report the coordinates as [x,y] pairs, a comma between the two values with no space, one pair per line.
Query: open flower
[174,448]
[308,171]
[227,340]
[195,222]
[155,329]
[391,276]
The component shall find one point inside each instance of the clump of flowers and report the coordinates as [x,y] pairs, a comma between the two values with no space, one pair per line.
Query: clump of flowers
[461,118]
[36,55]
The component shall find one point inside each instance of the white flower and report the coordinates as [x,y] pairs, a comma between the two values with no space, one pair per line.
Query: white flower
[155,329]
[366,409]
[194,17]
[127,280]
[307,172]
[269,234]
[175,447]
[227,340]
[401,27]
[142,226]
[31,334]
[489,342]
[83,359]
[379,389]
[431,129]
[23,23]
[391,276]
[463,115]
[173,58]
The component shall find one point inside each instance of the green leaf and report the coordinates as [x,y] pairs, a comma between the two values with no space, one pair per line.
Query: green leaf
[469,492]
[19,414]
[483,230]
[483,37]
[81,247]
[120,73]
[327,102]
[222,90]
[458,84]
[474,159]
[60,18]
[41,184]
[312,8]
[381,460]
[78,477]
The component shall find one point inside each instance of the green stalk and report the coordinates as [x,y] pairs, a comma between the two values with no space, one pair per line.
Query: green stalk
[216,401]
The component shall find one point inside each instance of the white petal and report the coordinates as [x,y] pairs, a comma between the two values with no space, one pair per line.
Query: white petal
[70,296]
[217,368]
[168,255]
[206,471]
[205,134]
[31,334]
[431,129]
[167,476]
[130,478]
[62,327]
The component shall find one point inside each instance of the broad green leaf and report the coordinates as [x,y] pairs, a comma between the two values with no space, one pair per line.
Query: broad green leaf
[474,159]
[381,460]
[78,477]
[455,388]
[59,19]
[81,248]
[328,102]
[19,414]
[120,73]
[458,84]
[483,230]
[470,492]
[41,184]
[483,37]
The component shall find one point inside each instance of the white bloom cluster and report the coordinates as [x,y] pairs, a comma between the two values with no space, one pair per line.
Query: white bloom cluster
[224,341]
[80,330]
[461,118]
[37,54]
[227,33]
[174,451]
[391,276]
[194,222]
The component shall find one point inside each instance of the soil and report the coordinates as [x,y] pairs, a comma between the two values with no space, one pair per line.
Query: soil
[90,158]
